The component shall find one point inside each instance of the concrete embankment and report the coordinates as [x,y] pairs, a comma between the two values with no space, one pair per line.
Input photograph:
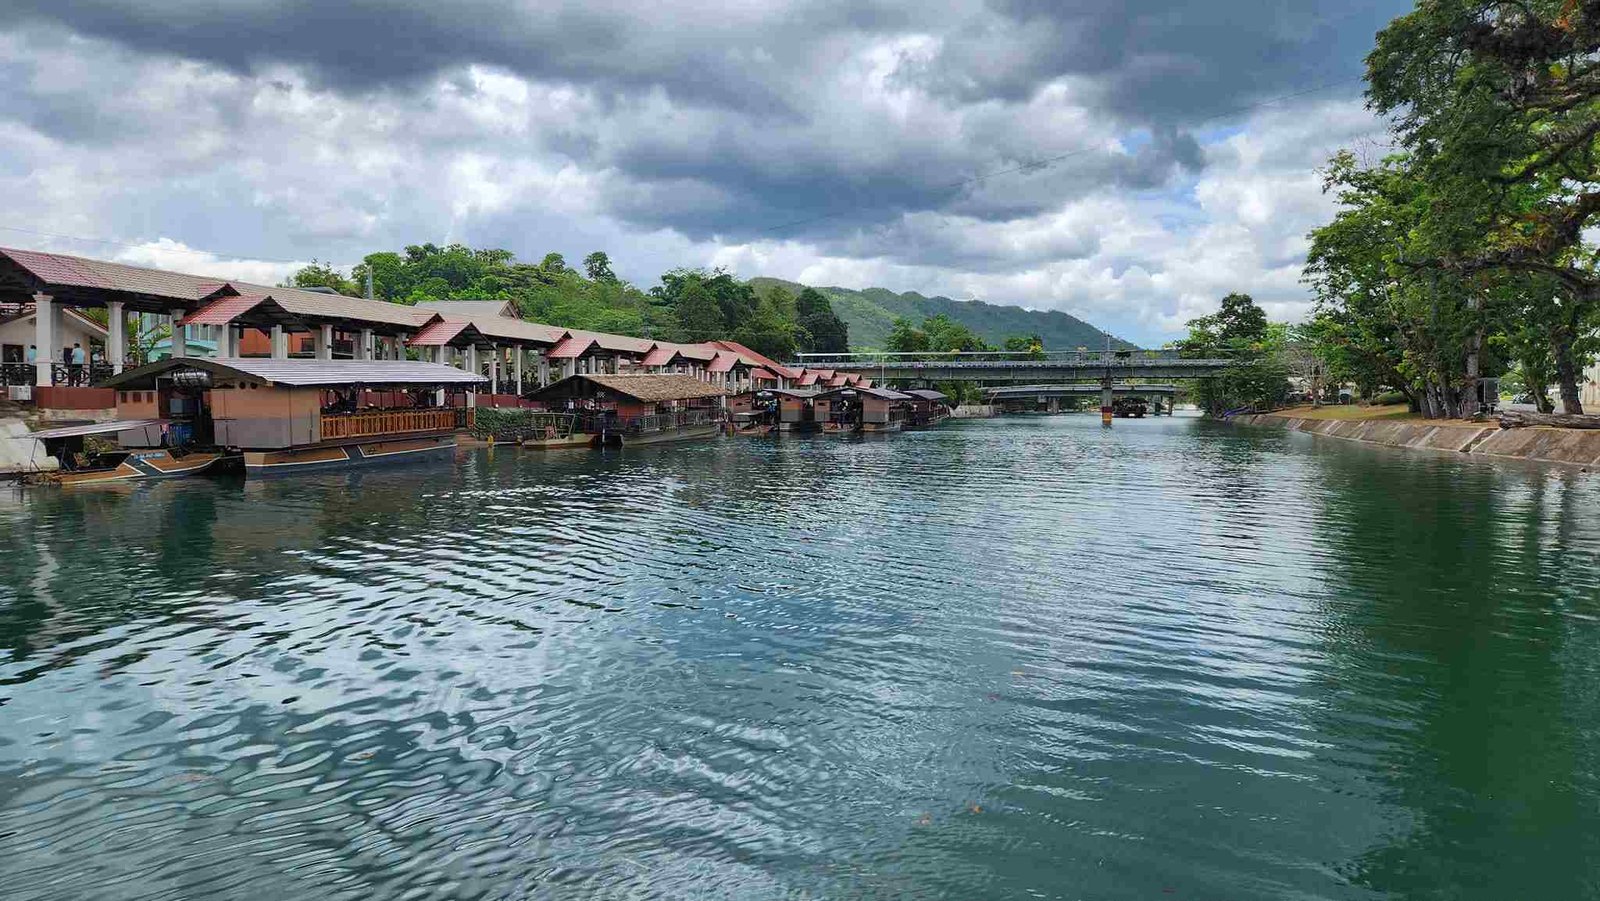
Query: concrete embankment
[1571,446]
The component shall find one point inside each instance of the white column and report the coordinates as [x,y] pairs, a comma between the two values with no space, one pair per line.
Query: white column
[544,370]
[44,339]
[180,346]
[569,367]
[364,346]
[230,339]
[516,366]
[280,343]
[322,340]
[116,335]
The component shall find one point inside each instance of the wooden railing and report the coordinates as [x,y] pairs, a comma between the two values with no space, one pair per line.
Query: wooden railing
[391,422]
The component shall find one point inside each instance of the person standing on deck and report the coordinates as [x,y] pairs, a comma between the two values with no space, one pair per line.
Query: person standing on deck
[79,375]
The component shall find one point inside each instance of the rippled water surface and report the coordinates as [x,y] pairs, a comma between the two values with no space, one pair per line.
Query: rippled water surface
[1006,659]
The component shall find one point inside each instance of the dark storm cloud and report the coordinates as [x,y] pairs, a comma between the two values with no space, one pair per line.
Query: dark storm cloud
[753,120]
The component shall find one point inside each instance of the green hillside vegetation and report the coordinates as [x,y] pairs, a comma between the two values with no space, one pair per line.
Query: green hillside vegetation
[773,317]
[689,305]
[871,314]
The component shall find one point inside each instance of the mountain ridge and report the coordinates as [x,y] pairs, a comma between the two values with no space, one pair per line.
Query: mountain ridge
[870,313]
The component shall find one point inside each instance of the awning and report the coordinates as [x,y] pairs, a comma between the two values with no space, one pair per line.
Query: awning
[94,428]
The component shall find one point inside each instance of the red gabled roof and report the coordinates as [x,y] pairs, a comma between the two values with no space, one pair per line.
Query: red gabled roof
[762,374]
[224,311]
[724,362]
[808,377]
[438,333]
[570,348]
[758,359]
[660,355]
[61,270]
[838,381]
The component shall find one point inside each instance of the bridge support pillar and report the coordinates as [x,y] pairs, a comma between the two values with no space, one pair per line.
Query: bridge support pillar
[1052,405]
[1105,402]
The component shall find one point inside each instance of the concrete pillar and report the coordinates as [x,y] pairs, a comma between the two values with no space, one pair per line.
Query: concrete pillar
[516,366]
[494,369]
[1105,402]
[280,343]
[364,347]
[569,368]
[116,335]
[44,339]
[180,341]
[1053,404]
[322,342]
[230,337]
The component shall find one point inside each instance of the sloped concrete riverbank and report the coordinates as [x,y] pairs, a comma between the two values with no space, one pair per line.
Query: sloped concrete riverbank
[1575,447]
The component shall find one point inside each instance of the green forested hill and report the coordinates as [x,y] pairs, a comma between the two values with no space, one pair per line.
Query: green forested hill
[871,313]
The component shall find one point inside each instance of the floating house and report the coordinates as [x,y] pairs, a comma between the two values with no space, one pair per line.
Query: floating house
[637,408]
[848,411]
[926,408]
[289,415]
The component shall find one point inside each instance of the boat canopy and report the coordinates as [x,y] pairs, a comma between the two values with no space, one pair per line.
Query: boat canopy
[299,373]
[93,428]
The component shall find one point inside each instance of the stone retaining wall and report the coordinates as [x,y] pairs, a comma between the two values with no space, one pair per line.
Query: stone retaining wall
[1573,446]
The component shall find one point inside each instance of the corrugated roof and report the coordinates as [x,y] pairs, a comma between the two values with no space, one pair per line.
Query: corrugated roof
[570,348]
[316,305]
[518,330]
[223,311]
[616,343]
[650,388]
[504,309]
[925,394]
[64,271]
[883,393]
[808,377]
[303,373]
[93,428]
[757,359]
[438,334]
[659,355]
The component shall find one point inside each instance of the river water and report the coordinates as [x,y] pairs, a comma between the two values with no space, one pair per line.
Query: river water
[1020,658]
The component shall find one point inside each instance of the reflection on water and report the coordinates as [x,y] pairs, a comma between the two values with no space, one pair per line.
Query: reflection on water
[1022,658]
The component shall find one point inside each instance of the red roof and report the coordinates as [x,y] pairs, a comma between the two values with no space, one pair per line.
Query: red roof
[570,348]
[439,333]
[763,375]
[62,271]
[223,311]
[864,383]
[837,381]
[758,359]
[659,356]
[724,362]
[808,377]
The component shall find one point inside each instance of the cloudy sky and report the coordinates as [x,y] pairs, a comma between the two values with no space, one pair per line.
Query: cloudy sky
[887,143]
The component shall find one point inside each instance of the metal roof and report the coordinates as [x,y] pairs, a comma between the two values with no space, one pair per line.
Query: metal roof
[93,428]
[757,359]
[438,334]
[570,347]
[302,373]
[470,308]
[923,393]
[882,393]
[660,355]
[223,311]
[723,363]
[359,310]
[57,270]
[647,387]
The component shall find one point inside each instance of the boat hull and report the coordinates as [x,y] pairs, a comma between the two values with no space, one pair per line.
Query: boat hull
[259,464]
[880,428]
[686,433]
[141,465]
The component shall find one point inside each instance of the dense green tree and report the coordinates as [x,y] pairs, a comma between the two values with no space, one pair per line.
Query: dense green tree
[598,267]
[699,315]
[1025,344]
[1258,376]
[769,331]
[820,328]
[322,275]
[946,334]
[906,338]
